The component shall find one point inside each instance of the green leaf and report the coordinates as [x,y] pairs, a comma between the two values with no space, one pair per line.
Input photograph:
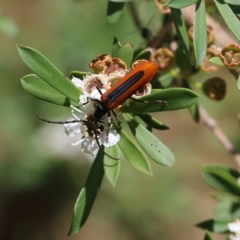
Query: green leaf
[214,225]
[216,61]
[154,148]
[222,179]
[150,121]
[79,74]
[224,196]
[238,82]
[126,53]
[114,11]
[183,61]
[181,30]
[236,9]
[227,209]
[8,26]
[207,236]
[200,32]
[88,194]
[179,4]
[229,17]
[48,72]
[164,80]
[40,89]
[144,54]
[176,98]
[111,166]
[115,47]
[194,111]
[233,2]
[133,152]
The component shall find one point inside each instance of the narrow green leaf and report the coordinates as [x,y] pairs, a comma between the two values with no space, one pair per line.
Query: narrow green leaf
[126,53]
[229,17]
[48,72]
[207,236]
[214,225]
[183,61]
[164,80]
[40,89]
[79,74]
[145,54]
[154,148]
[222,179]
[115,47]
[111,166]
[176,98]
[216,61]
[140,121]
[194,111]
[133,152]
[200,32]
[181,30]
[114,11]
[227,209]
[150,121]
[179,4]
[238,82]
[224,196]
[8,26]
[88,194]
[236,9]
[233,2]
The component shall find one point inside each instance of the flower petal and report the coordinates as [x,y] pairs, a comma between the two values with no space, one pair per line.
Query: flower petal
[89,146]
[72,129]
[111,138]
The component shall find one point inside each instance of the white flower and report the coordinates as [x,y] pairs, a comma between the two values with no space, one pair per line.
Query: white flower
[71,129]
[77,82]
[110,139]
[234,228]
[91,135]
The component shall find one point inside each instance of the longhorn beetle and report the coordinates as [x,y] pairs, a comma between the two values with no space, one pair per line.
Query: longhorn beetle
[115,96]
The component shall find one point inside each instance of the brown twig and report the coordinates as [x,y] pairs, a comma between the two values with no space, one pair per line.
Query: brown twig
[164,32]
[222,38]
[222,138]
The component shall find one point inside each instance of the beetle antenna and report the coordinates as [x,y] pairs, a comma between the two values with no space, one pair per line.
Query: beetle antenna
[60,122]
[74,121]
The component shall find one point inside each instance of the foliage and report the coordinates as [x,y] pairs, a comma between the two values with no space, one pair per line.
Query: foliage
[180,64]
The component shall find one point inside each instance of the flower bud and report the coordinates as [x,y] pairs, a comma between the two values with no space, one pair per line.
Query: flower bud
[215,88]
[210,37]
[138,62]
[230,56]
[207,66]
[164,58]
[106,64]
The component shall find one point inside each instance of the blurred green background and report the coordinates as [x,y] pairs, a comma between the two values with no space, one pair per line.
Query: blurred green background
[41,174]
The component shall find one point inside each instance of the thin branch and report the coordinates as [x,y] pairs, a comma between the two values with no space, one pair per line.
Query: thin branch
[222,138]
[135,16]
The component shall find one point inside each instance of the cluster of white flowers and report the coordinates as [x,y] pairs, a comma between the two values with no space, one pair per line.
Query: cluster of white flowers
[101,134]
[234,228]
